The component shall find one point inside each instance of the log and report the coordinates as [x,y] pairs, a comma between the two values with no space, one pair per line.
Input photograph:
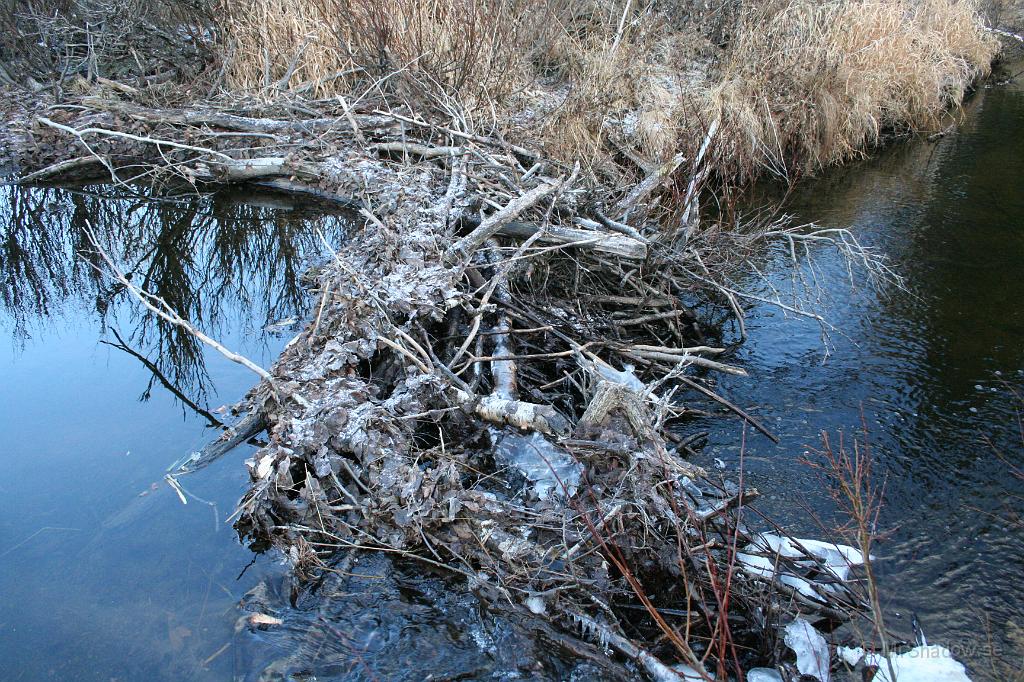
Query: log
[522,415]
[224,121]
[249,170]
[298,187]
[605,242]
[249,426]
[648,184]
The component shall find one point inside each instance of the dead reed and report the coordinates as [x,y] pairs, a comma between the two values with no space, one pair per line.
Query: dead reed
[797,84]
[808,84]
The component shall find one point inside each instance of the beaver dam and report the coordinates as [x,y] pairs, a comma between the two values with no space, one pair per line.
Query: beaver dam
[495,383]
[500,364]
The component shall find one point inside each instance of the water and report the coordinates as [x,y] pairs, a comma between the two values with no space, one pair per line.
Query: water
[105,576]
[935,371]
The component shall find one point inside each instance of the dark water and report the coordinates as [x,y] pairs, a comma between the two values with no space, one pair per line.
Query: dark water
[106,576]
[936,371]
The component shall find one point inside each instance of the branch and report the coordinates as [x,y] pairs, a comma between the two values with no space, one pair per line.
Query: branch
[494,222]
[159,307]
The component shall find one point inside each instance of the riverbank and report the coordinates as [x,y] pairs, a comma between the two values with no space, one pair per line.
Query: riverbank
[795,86]
[539,275]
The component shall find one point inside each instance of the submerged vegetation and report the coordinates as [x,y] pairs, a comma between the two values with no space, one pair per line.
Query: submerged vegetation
[492,379]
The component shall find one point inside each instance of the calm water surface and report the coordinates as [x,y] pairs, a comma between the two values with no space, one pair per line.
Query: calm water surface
[105,575]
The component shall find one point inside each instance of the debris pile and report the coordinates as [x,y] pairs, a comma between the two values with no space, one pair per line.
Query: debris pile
[491,384]
[492,381]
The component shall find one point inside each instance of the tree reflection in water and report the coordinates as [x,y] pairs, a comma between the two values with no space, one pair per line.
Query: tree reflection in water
[226,261]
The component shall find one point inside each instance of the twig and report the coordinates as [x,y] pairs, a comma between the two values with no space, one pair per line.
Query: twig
[138,138]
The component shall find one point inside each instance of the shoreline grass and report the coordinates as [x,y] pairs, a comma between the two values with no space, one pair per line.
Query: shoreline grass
[798,85]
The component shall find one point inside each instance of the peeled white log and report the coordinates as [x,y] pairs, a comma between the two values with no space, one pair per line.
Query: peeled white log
[605,242]
[522,415]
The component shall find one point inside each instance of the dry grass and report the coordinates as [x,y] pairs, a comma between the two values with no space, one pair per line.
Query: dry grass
[797,84]
[619,85]
[809,84]
[469,48]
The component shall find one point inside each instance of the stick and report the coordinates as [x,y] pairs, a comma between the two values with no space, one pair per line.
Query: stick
[494,222]
[232,437]
[138,138]
[719,399]
[167,314]
[415,149]
[691,206]
[605,242]
[58,168]
[691,359]
[648,184]
[521,151]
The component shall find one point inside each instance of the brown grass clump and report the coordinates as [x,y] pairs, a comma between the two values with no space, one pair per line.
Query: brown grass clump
[808,84]
[621,86]
[472,48]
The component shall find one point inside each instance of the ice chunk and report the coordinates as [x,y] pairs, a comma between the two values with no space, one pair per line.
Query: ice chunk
[829,552]
[763,675]
[626,376]
[852,655]
[544,464]
[764,567]
[921,664]
[802,586]
[811,649]
[536,605]
[755,564]
[836,559]
[689,673]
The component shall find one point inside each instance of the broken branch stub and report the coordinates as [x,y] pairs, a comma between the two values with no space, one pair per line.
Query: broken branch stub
[492,224]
